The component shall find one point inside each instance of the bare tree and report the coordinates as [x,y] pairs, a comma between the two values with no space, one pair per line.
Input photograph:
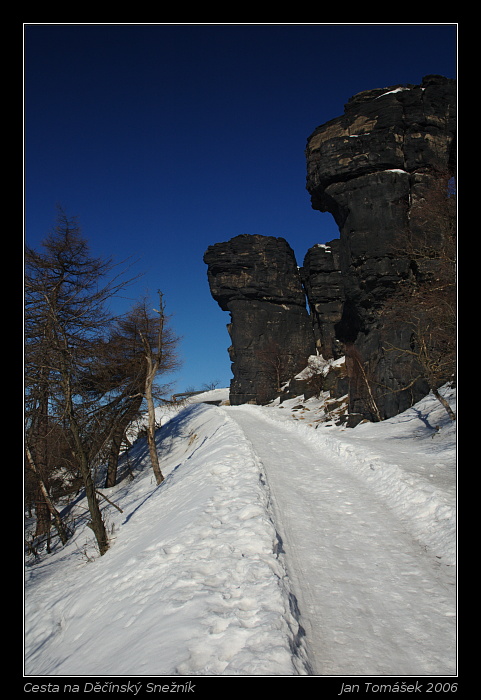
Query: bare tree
[360,381]
[65,315]
[210,386]
[153,351]
[116,378]
[158,344]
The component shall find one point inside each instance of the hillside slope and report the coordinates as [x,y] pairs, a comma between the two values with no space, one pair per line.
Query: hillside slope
[210,574]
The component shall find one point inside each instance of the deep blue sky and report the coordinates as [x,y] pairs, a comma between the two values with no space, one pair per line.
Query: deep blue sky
[165,139]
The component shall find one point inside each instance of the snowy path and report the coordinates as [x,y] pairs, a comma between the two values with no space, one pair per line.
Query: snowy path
[372,600]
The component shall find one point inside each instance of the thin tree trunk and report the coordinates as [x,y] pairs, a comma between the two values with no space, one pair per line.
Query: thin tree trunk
[154,457]
[96,523]
[59,525]
[117,437]
[444,403]
[359,370]
[153,357]
[40,466]
[42,515]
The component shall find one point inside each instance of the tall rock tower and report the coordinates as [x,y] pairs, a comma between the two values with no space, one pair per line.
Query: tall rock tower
[371,168]
[256,279]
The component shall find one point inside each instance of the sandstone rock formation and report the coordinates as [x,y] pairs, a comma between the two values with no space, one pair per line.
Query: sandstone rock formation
[323,282]
[256,279]
[370,168]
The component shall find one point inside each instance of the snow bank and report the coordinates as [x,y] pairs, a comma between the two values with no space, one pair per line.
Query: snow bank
[192,559]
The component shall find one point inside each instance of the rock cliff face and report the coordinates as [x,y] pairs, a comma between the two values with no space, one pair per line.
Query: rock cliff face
[369,168]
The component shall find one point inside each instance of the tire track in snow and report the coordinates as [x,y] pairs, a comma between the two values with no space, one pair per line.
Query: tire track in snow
[371,600]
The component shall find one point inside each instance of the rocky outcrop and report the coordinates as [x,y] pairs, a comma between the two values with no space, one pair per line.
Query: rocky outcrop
[256,279]
[370,168]
[407,128]
[323,282]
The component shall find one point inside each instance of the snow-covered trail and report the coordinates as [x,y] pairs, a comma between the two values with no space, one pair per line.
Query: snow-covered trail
[372,600]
